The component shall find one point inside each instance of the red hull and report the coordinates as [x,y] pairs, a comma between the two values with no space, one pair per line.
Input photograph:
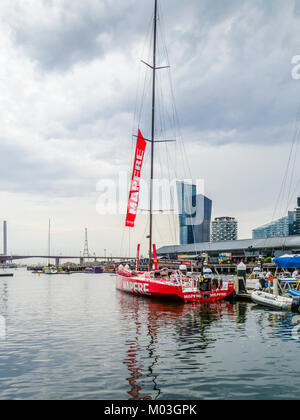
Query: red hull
[142,285]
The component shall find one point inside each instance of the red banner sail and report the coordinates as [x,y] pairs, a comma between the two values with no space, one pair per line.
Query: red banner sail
[134,193]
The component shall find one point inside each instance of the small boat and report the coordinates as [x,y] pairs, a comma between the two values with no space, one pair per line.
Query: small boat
[276,302]
[294,293]
[97,269]
[50,272]
[6,275]
[289,283]
[256,274]
[287,261]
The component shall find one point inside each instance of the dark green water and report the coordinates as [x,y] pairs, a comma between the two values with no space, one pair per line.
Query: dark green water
[76,337]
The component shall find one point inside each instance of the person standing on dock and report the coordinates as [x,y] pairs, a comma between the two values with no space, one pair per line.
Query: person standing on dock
[262,281]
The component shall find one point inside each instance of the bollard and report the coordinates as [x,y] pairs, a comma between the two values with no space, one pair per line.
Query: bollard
[237,285]
[275,287]
[241,273]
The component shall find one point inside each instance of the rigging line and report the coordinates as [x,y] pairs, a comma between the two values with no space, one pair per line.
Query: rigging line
[294,191]
[139,76]
[281,192]
[187,167]
[143,97]
[161,109]
[160,160]
[129,244]
[148,41]
[161,116]
[138,109]
[175,113]
[176,125]
[293,169]
[143,235]
[166,57]
[158,230]
[172,203]
[286,174]
[175,122]
[164,116]
[147,81]
[285,200]
[139,106]
[122,241]
[182,150]
[291,193]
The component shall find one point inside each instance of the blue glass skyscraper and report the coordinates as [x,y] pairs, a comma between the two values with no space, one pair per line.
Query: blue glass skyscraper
[195,212]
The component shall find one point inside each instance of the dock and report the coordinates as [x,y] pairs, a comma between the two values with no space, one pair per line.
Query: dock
[246,297]
[243,293]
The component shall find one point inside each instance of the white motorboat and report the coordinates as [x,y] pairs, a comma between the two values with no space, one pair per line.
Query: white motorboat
[50,272]
[275,302]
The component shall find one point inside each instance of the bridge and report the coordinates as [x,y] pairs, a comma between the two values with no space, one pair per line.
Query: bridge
[58,258]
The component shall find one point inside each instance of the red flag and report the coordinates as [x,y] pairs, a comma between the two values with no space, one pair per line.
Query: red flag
[134,193]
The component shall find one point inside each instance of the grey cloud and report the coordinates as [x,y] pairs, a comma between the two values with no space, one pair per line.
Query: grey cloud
[67,35]
[255,87]
[232,73]
[261,41]
[21,172]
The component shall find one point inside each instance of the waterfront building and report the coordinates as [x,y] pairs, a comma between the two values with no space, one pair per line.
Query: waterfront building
[277,228]
[285,226]
[224,229]
[239,250]
[194,214]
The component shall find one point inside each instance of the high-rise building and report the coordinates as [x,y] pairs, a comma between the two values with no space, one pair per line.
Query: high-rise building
[224,229]
[194,214]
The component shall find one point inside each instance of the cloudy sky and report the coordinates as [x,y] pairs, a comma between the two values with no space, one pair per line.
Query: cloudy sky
[69,72]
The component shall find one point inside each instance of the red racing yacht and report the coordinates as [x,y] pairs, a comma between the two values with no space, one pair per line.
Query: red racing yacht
[171,285]
[166,284]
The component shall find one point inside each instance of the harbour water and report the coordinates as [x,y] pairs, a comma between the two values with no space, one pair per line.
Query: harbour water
[76,337]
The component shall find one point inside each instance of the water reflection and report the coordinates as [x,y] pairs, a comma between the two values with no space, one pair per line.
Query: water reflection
[156,321]
[76,337]
[3,297]
[283,325]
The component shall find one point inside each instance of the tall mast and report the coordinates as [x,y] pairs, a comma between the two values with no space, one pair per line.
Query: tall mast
[152,135]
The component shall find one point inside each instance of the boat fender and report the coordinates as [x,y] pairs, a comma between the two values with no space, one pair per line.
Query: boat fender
[296,304]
